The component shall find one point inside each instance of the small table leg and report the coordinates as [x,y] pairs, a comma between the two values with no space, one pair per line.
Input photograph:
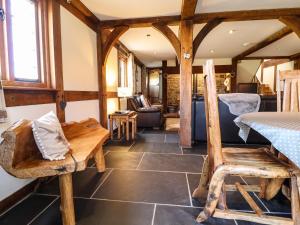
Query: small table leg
[119,129]
[127,130]
[111,128]
[132,130]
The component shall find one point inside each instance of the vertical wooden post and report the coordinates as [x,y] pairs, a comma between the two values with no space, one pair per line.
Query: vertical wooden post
[186,57]
[101,81]
[67,204]
[56,56]
[234,73]
[164,85]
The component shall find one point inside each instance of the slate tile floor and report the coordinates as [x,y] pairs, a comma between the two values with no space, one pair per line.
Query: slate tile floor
[147,182]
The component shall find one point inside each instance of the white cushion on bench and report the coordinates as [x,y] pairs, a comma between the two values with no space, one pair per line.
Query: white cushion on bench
[50,137]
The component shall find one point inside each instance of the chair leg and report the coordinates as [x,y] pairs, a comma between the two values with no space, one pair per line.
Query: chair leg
[214,192]
[100,161]
[295,201]
[263,186]
[222,199]
[202,187]
[273,188]
[67,204]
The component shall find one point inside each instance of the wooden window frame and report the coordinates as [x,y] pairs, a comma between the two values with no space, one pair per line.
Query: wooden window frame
[43,48]
[124,58]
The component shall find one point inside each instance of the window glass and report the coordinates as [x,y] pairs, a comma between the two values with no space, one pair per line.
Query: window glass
[24,40]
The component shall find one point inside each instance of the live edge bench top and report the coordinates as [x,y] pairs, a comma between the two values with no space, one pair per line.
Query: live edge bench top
[19,154]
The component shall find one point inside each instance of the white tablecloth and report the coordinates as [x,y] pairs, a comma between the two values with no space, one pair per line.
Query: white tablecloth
[281,129]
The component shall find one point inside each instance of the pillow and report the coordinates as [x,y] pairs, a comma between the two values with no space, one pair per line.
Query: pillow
[145,102]
[50,137]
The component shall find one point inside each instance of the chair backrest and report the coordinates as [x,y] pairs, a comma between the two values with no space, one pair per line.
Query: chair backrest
[290,81]
[214,141]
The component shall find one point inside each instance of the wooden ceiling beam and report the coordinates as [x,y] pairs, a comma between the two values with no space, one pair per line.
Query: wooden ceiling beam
[203,33]
[269,40]
[275,62]
[170,35]
[244,15]
[78,9]
[111,39]
[295,56]
[188,9]
[292,22]
[265,57]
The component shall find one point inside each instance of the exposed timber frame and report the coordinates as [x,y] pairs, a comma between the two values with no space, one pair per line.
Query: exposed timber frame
[292,22]
[269,40]
[170,35]
[264,14]
[203,33]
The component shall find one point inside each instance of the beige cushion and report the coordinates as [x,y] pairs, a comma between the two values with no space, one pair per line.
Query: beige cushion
[49,137]
[145,102]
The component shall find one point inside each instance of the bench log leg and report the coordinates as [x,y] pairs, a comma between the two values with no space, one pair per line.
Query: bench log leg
[67,204]
[100,161]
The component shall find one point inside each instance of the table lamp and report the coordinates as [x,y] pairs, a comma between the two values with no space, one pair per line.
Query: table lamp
[124,92]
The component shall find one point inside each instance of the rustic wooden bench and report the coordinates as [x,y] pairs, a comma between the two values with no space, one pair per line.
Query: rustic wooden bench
[20,157]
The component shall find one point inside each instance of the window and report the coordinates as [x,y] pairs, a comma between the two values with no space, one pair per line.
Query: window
[24,39]
[122,70]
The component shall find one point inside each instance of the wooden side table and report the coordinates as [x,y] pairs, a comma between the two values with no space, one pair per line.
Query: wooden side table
[121,121]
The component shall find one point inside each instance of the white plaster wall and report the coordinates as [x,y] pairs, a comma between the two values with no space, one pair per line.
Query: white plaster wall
[79,51]
[269,76]
[9,184]
[112,71]
[246,69]
[81,110]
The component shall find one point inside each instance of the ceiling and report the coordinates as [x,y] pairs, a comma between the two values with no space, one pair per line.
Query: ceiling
[152,50]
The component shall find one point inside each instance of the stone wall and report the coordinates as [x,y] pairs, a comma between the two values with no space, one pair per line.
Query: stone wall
[174,86]
[173,89]
[220,78]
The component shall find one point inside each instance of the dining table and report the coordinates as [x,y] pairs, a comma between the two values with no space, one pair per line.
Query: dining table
[282,129]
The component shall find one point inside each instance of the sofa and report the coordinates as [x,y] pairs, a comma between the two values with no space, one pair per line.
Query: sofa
[229,131]
[148,117]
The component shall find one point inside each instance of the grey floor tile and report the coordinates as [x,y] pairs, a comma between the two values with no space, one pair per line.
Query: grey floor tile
[124,160]
[172,138]
[199,148]
[95,212]
[145,186]
[170,215]
[172,162]
[151,137]
[26,210]
[84,183]
[156,147]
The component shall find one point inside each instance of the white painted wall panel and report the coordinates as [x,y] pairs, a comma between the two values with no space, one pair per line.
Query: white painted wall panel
[79,51]
[9,184]
[81,110]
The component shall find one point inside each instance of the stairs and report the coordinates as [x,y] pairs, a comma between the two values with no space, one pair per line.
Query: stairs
[265,89]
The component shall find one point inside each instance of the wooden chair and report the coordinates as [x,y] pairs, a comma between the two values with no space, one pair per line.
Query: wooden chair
[244,162]
[290,81]
[20,157]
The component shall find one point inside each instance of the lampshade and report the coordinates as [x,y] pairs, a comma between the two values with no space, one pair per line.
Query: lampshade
[124,92]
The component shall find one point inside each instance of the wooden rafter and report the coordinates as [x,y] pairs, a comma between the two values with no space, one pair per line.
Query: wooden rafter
[111,39]
[269,40]
[202,34]
[264,14]
[292,22]
[170,35]
[188,9]
[78,9]
[274,62]
[295,56]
